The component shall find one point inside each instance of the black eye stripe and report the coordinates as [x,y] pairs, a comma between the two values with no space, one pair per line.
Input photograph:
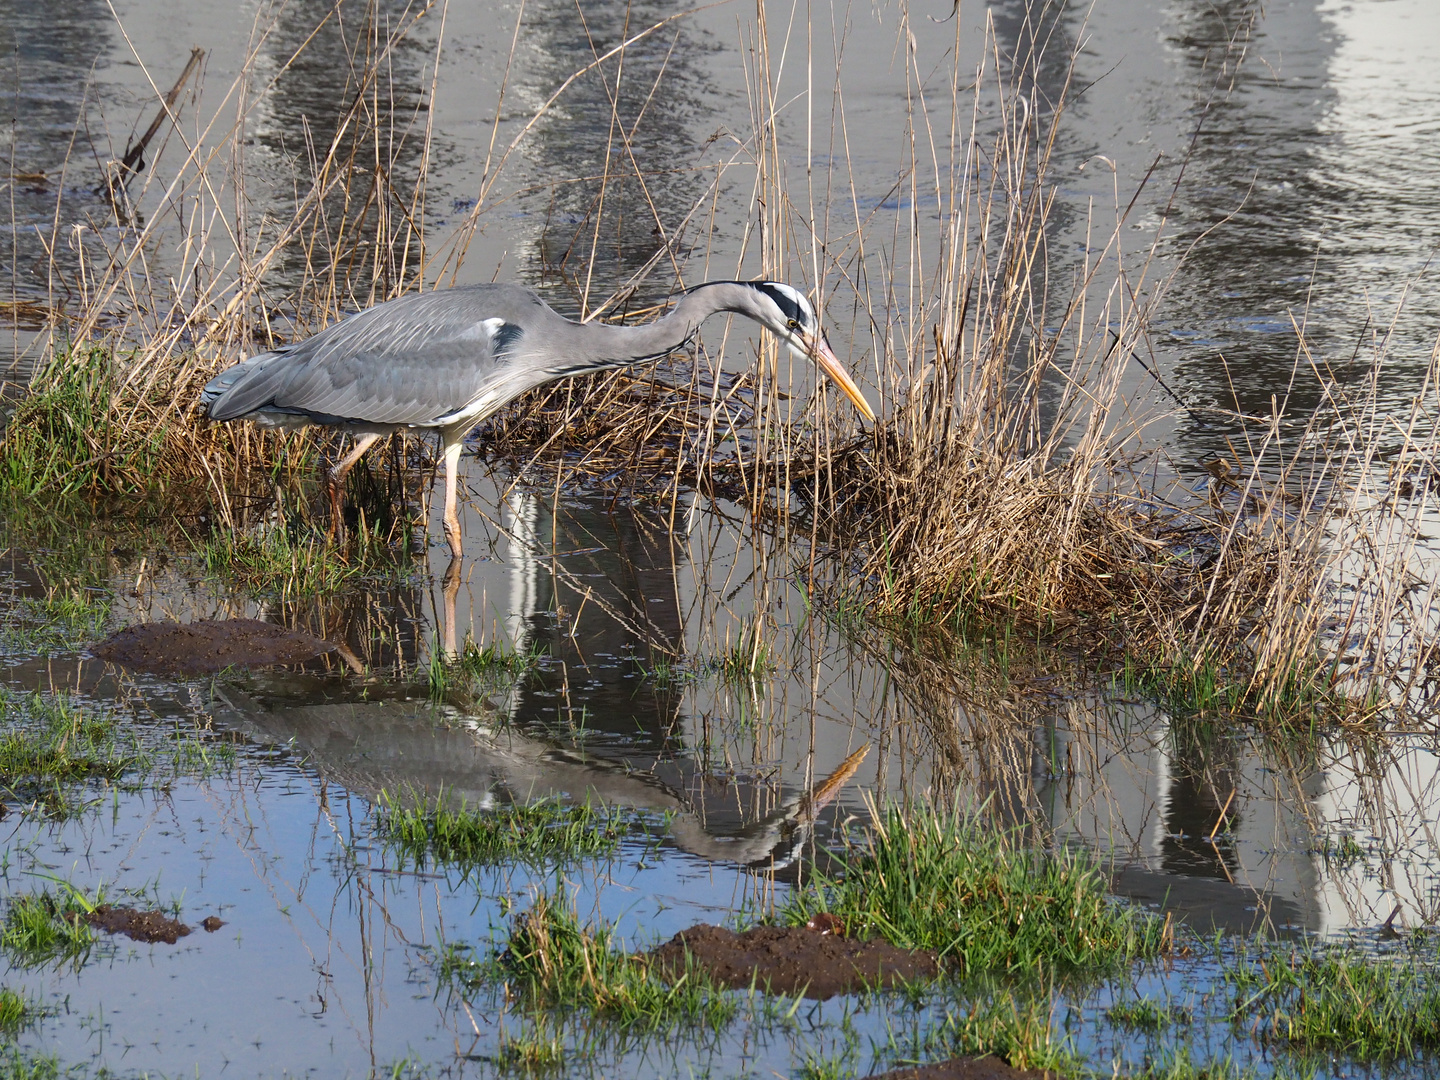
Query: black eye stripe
[788,307]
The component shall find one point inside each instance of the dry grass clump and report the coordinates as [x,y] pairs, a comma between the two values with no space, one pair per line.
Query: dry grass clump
[951,533]
[642,429]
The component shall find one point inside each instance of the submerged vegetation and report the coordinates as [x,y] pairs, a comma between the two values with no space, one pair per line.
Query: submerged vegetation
[287,563]
[17,1012]
[981,899]
[1148,1015]
[56,755]
[66,619]
[477,671]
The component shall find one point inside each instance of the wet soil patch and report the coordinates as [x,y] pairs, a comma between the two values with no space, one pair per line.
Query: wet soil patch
[149,926]
[167,648]
[793,959]
[964,1068]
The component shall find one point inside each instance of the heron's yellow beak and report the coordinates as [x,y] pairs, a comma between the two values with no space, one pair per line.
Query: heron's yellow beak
[826,360]
[831,785]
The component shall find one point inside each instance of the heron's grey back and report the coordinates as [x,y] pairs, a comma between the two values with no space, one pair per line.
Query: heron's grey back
[414,360]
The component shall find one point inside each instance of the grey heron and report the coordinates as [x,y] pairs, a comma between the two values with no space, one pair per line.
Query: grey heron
[447,359]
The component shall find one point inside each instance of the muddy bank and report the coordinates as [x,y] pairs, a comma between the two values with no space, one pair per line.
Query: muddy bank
[198,648]
[793,960]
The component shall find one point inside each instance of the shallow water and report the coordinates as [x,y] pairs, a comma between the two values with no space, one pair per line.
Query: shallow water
[1321,164]
[326,963]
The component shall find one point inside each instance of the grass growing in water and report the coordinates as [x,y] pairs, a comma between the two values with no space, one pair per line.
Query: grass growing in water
[1374,1008]
[534,1051]
[17,1064]
[64,620]
[943,881]
[1177,1066]
[476,671]
[52,753]
[1016,1029]
[49,743]
[282,562]
[17,1012]
[554,961]
[41,928]
[425,831]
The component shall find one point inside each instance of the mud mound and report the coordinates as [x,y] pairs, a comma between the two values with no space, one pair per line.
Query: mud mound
[794,959]
[965,1068]
[196,648]
[140,925]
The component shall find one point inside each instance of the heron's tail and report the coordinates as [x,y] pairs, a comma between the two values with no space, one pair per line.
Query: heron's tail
[240,388]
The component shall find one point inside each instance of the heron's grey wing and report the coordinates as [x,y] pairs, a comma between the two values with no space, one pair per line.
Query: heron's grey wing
[416,360]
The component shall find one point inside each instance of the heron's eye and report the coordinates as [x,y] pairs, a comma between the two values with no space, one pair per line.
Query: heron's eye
[793,324]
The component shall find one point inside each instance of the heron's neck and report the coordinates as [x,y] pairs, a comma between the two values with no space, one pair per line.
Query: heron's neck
[634,344]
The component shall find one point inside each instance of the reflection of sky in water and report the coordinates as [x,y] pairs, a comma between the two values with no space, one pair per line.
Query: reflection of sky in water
[1385,153]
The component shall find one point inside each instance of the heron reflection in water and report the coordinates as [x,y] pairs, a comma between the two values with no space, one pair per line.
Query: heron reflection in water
[446,360]
[486,759]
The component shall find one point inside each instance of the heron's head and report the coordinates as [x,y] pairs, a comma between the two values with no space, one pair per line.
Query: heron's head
[787,314]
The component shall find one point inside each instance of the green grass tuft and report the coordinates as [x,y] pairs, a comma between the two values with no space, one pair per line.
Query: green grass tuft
[41,928]
[425,831]
[1176,1065]
[554,961]
[986,903]
[63,621]
[65,436]
[1015,1028]
[477,672]
[17,1012]
[17,1064]
[1373,1008]
[280,562]
[540,1050]
[48,743]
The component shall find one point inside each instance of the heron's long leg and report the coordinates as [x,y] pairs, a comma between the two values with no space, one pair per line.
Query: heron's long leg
[452,516]
[337,480]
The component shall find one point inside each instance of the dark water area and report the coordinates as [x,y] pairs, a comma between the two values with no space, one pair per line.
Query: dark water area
[1289,168]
